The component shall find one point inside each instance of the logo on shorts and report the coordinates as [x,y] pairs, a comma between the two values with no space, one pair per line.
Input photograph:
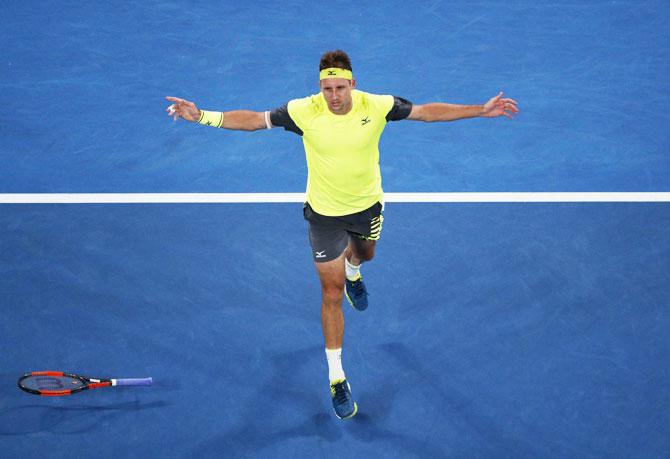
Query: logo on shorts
[321,254]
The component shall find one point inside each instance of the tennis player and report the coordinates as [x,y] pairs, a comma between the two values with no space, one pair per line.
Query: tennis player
[340,129]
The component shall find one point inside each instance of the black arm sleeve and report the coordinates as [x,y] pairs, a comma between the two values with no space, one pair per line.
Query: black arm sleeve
[400,110]
[280,117]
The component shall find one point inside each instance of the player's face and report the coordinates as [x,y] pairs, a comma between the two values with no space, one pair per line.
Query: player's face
[337,92]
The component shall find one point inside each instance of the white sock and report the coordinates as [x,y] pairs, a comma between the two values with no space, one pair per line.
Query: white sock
[351,271]
[335,370]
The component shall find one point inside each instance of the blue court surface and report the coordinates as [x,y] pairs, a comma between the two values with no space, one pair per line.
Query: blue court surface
[495,329]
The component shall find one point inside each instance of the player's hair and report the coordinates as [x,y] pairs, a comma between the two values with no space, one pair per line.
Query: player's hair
[335,59]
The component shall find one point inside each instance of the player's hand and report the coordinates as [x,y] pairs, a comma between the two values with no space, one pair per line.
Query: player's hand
[498,106]
[181,108]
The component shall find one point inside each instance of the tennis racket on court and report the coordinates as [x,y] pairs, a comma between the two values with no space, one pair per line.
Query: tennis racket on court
[55,383]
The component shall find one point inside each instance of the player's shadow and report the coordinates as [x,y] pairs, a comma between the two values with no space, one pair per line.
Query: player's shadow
[372,424]
[267,421]
[70,419]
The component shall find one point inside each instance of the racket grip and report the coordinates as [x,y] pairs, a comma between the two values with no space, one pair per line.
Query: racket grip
[134,382]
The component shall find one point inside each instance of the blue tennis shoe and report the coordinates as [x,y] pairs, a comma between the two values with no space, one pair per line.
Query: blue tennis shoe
[343,403]
[356,293]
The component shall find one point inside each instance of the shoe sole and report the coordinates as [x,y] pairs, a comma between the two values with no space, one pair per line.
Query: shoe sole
[351,415]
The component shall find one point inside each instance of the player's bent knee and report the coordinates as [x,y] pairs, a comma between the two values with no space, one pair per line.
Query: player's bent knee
[365,250]
[366,254]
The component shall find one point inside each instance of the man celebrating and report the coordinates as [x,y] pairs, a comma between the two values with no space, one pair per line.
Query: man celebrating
[340,128]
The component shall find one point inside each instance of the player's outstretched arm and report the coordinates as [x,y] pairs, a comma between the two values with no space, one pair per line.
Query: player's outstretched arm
[496,106]
[243,120]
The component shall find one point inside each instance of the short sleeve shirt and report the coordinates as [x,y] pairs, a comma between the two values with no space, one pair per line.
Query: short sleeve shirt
[342,151]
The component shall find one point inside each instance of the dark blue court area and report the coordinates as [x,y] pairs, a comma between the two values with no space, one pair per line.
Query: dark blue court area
[512,330]
[495,330]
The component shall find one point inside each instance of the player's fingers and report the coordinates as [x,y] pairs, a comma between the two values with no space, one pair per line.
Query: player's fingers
[175,99]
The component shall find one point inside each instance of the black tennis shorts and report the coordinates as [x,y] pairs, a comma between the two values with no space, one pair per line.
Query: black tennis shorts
[329,236]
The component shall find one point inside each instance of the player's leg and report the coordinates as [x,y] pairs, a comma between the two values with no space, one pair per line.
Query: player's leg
[360,250]
[329,239]
[331,274]
[363,236]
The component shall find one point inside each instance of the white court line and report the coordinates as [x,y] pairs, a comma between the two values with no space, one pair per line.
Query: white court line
[178,198]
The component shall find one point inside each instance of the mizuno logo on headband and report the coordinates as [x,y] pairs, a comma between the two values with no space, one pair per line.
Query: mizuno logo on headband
[335,73]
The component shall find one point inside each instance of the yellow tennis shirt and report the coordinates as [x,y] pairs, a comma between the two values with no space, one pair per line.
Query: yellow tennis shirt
[342,151]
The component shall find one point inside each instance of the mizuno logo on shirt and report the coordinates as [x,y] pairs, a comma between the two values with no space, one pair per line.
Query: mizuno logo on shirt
[365,121]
